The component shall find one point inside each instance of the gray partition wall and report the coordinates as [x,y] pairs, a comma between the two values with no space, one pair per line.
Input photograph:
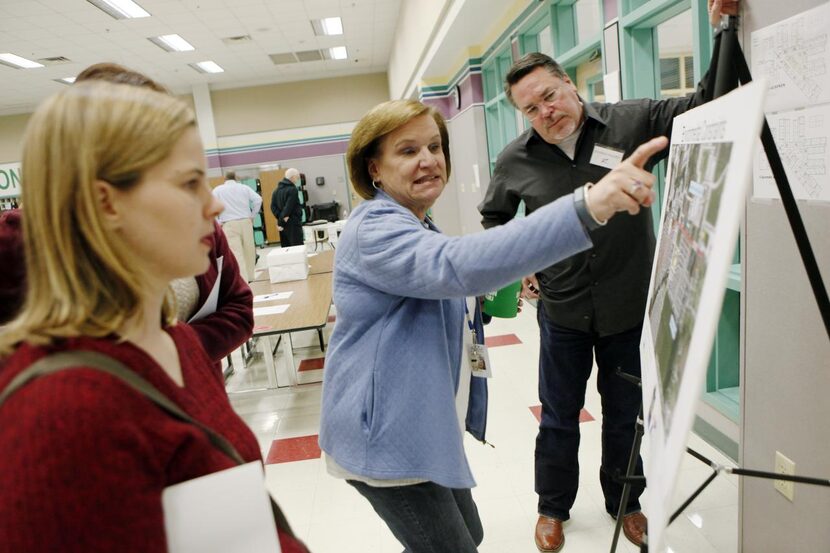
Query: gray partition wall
[786,370]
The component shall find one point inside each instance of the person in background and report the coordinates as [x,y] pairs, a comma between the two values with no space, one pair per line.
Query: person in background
[13,275]
[593,302]
[87,455]
[218,304]
[399,389]
[286,207]
[241,206]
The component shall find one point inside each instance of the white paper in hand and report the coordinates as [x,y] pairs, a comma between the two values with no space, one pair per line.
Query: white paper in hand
[223,512]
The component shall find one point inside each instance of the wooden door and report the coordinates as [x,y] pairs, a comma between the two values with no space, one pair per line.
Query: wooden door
[268,181]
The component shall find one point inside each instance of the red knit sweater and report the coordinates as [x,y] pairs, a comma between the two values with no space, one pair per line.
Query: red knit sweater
[232,323]
[85,458]
[221,332]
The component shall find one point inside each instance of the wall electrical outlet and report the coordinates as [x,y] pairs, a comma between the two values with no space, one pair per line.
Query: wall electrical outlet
[783,465]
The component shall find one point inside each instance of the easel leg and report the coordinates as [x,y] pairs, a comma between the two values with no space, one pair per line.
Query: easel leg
[629,471]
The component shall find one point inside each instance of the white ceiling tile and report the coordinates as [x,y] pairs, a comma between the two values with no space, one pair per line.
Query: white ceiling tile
[165,8]
[23,24]
[31,7]
[84,34]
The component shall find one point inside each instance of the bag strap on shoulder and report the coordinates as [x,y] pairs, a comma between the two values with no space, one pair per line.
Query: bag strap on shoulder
[80,359]
[85,359]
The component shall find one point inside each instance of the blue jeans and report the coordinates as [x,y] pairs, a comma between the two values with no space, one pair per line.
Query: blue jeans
[427,518]
[565,361]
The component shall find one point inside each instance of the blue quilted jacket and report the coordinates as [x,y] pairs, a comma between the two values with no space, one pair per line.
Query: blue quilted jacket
[393,361]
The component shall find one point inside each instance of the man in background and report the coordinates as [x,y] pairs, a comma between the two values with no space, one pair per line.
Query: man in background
[241,206]
[592,304]
[285,205]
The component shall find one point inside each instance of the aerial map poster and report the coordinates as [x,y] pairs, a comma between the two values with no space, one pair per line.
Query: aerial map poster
[708,176]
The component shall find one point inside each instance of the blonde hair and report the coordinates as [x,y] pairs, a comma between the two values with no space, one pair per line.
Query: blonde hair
[114,73]
[81,278]
[374,126]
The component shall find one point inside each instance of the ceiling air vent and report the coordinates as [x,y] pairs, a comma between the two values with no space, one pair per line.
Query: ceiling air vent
[294,57]
[309,55]
[237,39]
[57,60]
[284,58]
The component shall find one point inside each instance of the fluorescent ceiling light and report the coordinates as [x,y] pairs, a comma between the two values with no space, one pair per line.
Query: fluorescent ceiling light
[338,53]
[120,9]
[207,67]
[17,61]
[68,80]
[327,26]
[172,43]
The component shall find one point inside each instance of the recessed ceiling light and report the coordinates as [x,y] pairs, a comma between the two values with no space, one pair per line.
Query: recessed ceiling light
[172,43]
[18,62]
[338,53]
[327,26]
[207,67]
[120,9]
[66,80]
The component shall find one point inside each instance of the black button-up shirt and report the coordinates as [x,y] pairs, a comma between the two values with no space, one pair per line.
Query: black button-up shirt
[603,289]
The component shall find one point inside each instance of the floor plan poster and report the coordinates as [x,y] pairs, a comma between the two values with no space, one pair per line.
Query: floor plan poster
[794,56]
[709,169]
[802,137]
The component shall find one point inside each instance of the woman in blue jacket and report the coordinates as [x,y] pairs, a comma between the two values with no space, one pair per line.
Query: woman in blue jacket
[398,391]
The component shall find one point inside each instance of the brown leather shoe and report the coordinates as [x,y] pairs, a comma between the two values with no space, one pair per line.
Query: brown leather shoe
[549,534]
[634,526]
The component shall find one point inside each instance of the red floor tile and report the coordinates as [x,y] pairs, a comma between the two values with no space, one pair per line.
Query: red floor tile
[311,364]
[584,415]
[502,340]
[293,449]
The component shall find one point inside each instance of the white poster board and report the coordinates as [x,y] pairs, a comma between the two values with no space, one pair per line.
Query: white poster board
[706,185]
[794,56]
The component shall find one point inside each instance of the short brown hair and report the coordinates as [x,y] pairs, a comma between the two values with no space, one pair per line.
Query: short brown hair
[527,64]
[118,74]
[374,126]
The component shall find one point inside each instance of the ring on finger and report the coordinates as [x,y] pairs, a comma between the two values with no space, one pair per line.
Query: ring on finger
[636,185]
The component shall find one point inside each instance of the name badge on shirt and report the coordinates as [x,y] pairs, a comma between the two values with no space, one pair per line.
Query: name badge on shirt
[605,156]
[480,361]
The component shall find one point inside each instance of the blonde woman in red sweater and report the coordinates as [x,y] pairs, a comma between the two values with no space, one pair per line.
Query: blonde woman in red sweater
[223,320]
[117,206]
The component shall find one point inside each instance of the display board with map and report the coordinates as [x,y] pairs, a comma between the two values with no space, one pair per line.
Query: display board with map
[708,176]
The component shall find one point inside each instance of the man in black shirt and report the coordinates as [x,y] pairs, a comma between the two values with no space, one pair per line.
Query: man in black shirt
[285,205]
[592,303]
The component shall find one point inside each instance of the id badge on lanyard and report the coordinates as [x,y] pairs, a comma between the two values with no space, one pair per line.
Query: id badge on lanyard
[477,353]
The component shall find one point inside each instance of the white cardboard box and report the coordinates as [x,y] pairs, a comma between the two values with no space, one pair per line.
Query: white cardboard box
[287,256]
[285,273]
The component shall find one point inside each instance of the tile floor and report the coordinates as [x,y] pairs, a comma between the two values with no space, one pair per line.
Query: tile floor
[332,518]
